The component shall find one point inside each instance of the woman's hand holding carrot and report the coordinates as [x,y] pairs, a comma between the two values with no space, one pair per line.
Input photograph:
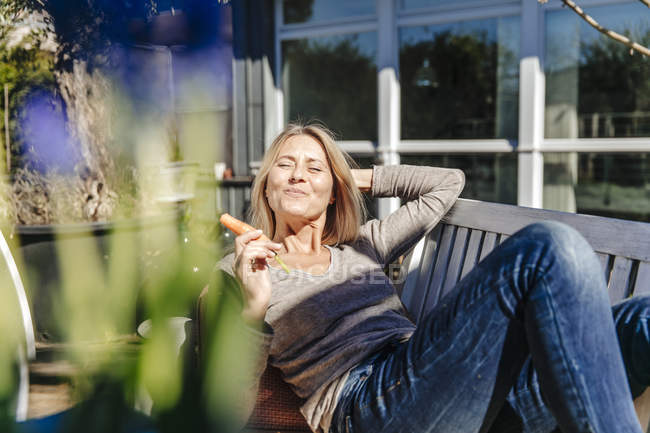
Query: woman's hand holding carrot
[251,252]
[252,248]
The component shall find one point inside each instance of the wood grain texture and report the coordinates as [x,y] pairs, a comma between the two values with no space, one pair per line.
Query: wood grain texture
[642,284]
[456,260]
[473,252]
[619,282]
[439,271]
[489,242]
[607,235]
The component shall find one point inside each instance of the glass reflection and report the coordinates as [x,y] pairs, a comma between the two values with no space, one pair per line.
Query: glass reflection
[488,177]
[460,80]
[334,80]
[419,4]
[304,11]
[594,87]
[607,184]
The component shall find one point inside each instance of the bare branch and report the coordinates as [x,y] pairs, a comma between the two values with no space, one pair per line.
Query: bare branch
[612,34]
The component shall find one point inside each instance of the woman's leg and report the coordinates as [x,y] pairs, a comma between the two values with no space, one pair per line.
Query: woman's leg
[540,293]
[525,410]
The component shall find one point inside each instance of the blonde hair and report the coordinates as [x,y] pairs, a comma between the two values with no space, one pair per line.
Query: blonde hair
[344,216]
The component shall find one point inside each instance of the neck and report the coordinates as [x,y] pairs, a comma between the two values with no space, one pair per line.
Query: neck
[300,237]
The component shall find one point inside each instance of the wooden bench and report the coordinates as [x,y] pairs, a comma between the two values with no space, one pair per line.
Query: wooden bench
[465,236]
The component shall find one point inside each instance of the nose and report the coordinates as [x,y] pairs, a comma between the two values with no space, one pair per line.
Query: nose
[298,173]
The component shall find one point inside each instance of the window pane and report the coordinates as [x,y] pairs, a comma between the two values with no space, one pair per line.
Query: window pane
[333,79]
[594,87]
[418,4]
[489,177]
[303,11]
[460,80]
[364,161]
[614,185]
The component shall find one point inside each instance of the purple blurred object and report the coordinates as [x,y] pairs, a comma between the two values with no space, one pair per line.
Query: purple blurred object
[47,144]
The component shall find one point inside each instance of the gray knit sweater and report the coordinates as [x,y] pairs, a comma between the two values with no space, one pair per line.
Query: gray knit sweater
[323,325]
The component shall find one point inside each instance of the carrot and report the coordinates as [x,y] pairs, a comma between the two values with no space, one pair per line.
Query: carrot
[239,227]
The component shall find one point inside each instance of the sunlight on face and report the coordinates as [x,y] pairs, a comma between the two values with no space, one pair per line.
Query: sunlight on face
[300,183]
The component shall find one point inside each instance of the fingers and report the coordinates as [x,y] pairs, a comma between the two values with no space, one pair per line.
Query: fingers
[252,251]
[254,235]
[242,240]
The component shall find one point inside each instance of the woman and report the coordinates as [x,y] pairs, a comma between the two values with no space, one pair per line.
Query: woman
[536,307]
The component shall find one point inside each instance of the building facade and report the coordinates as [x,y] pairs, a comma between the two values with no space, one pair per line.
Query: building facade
[537,107]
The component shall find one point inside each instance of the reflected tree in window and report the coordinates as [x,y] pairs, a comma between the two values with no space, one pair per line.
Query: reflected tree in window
[297,11]
[449,86]
[333,81]
[614,90]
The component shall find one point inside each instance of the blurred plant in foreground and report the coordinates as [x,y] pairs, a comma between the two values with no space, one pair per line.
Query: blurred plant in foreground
[159,255]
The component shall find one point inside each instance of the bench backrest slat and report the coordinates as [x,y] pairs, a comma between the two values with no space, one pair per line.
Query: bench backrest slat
[471,230]
[642,286]
[607,235]
[619,282]
[456,259]
[473,251]
[605,263]
[419,270]
[489,242]
[440,269]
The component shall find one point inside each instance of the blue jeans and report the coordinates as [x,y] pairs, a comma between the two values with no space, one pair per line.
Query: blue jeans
[533,319]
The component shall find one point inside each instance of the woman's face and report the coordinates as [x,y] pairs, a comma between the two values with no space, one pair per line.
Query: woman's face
[300,183]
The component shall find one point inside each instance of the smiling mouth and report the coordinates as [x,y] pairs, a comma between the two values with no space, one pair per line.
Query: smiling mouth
[295,192]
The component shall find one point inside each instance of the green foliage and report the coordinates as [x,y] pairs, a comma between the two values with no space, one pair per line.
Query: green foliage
[24,66]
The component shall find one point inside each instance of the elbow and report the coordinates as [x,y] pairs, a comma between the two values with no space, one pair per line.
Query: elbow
[458,179]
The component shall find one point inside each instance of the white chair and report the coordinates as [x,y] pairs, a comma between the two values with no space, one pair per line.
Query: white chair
[13,285]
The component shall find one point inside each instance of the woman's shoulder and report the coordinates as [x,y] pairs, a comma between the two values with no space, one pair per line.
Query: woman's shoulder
[362,243]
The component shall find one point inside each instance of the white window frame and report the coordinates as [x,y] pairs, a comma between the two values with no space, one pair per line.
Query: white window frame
[531,143]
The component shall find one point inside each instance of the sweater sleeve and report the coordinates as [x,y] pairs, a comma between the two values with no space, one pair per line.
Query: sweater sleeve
[429,193]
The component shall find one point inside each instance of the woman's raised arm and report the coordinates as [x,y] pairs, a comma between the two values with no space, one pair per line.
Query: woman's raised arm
[363,178]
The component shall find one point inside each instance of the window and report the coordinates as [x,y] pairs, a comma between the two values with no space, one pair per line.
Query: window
[460,80]
[333,79]
[456,65]
[594,87]
[305,11]
[607,184]
[420,4]
[488,176]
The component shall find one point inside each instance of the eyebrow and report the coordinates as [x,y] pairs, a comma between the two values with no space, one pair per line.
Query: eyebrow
[312,159]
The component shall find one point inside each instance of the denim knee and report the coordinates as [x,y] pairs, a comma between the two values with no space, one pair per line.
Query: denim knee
[562,242]
[557,235]
[558,251]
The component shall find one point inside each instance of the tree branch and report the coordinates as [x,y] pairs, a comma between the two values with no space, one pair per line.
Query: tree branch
[612,34]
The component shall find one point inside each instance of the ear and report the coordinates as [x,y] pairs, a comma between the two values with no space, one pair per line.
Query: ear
[332,200]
